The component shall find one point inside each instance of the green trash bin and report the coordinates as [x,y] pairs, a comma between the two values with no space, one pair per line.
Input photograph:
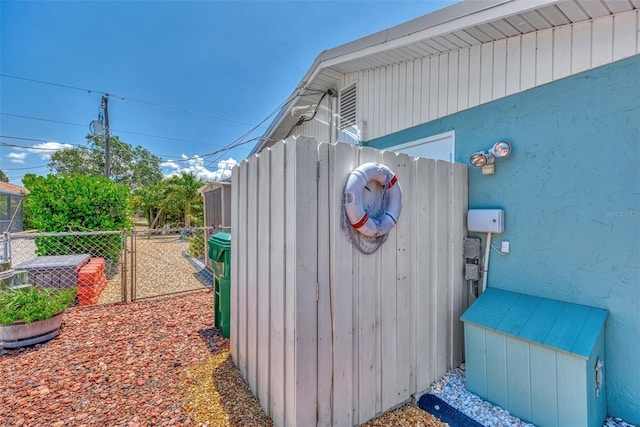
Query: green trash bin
[220,256]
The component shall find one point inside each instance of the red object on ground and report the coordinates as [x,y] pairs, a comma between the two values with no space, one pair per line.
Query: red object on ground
[91,281]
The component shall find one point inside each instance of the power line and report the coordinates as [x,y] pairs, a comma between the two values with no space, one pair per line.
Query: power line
[122,98]
[238,142]
[25,168]
[42,120]
[195,113]
[165,137]
[229,146]
[114,130]
[33,148]
[59,85]
[24,139]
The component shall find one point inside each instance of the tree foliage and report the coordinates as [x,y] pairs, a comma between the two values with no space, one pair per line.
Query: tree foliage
[175,199]
[132,166]
[183,190]
[77,203]
[3,176]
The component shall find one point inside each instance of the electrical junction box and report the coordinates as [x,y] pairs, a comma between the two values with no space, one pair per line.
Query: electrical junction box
[485,220]
[471,272]
[471,248]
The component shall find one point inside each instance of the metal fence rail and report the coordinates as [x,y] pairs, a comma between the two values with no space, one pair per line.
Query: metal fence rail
[131,264]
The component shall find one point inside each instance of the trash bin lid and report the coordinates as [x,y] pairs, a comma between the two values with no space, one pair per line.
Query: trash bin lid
[219,243]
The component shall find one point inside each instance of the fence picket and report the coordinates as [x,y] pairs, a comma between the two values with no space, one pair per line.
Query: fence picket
[342,163]
[325,336]
[263,308]
[277,217]
[365,288]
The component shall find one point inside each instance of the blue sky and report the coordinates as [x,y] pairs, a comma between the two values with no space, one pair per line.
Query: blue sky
[187,79]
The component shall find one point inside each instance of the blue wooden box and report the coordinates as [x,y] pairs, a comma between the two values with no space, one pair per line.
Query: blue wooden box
[540,359]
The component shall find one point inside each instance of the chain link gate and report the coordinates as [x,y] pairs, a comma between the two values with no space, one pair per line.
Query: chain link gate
[133,264]
[168,261]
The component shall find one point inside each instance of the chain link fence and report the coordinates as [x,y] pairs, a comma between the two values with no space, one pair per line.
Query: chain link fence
[93,262]
[111,266]
[169,261]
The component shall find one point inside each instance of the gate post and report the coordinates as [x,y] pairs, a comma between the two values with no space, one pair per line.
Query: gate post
[123,266]
[133,264]
[6,246]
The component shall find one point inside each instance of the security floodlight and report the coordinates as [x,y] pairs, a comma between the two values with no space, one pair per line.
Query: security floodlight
[500,150]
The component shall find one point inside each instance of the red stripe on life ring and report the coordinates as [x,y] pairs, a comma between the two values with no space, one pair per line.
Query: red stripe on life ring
[362,221]
[393,181]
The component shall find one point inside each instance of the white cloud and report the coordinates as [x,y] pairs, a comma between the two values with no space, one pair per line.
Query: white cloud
[170,164]
[46,149]
[17,157]
[196,165]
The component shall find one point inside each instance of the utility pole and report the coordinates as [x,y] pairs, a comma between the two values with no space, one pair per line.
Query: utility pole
[105,107]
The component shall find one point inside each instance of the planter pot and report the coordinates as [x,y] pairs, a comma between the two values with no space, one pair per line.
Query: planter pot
[20,334]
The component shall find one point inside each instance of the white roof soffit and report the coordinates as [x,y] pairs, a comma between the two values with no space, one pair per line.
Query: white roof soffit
[459,16]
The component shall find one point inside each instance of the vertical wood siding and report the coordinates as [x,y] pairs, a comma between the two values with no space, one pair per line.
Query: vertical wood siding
[323,334]
[403,95]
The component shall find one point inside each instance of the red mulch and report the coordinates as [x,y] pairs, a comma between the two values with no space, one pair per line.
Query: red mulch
[116,365]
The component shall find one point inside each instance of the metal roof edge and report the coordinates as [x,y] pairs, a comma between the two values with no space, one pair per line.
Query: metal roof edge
[437,17]
[399,35]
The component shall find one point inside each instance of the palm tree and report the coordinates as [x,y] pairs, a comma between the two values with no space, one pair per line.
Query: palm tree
[184,188]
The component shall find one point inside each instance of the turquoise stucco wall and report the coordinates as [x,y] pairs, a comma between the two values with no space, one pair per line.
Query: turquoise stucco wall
[571,195]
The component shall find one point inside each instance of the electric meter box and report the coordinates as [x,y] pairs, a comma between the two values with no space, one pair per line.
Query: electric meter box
[485,220]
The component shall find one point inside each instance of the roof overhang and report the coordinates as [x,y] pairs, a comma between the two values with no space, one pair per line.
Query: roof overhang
[214,185]
[12,189]
[460,25]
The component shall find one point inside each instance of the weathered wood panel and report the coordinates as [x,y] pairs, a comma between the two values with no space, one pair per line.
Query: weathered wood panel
[263,311]
[277,221]
[324,334]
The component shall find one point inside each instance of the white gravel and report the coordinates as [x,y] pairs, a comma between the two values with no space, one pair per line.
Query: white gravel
[452,389]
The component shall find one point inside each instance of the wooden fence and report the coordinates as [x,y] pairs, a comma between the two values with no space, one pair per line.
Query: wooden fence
[324,334]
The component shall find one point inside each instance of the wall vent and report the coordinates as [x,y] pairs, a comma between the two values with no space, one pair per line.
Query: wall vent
[348,104]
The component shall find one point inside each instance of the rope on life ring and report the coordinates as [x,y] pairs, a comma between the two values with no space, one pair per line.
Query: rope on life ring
[358,217]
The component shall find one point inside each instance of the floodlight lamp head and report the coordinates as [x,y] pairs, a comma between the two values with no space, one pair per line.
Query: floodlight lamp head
[501,149]
[485,160]
[479,159]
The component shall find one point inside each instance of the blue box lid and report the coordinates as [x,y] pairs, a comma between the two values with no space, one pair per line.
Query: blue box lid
[569,327]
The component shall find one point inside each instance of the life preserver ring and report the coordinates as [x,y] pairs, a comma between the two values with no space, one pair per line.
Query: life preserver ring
[392,199]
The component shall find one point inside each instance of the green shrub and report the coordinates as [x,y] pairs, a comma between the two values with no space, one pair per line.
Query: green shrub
[196,244]
[77,203]
[31,304]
